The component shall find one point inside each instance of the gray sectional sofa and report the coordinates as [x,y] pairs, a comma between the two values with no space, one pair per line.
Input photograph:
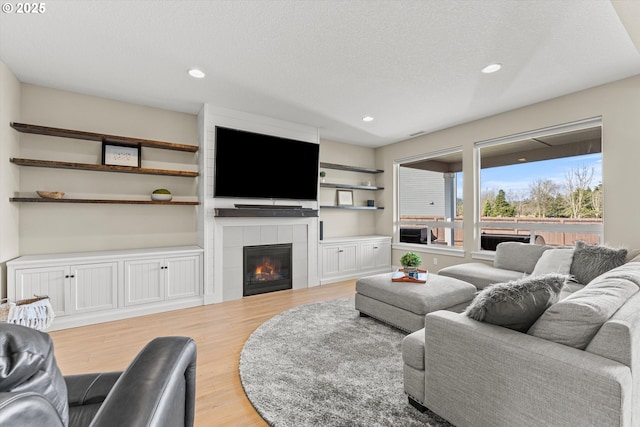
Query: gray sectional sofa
[578,365]
[512,261]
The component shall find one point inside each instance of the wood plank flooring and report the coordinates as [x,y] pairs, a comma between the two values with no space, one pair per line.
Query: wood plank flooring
[220,331]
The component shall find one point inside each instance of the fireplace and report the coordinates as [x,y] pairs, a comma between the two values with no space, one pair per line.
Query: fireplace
[267,268]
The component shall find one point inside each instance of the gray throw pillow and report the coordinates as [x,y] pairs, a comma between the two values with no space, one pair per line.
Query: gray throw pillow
[517,304]
[554,261]
[590,261]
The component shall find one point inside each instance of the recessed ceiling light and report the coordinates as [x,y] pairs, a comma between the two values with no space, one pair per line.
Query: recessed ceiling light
[198,74]
[522,159]
[367,119]
[491,68]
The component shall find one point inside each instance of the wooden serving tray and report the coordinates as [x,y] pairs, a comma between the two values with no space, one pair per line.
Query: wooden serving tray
[406,279]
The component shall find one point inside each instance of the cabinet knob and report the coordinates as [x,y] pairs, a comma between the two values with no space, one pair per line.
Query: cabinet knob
[340,250]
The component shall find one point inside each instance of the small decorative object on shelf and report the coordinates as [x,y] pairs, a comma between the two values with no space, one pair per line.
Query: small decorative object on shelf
[345,197]
[120,154]
[322,175]
[161,195]
[50,194]
[411,261]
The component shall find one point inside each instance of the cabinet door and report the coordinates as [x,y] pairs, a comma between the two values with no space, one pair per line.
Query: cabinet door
[348,258]
[144,281]
[50,281]
[382,254]
[368,255]
[183,276]
[94,287]
[330,260]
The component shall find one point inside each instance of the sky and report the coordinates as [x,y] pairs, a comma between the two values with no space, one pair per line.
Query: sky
[518,177]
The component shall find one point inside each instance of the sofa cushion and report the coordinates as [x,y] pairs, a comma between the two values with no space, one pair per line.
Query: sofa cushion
[590,261]
[479,274]
[27,364]
[518,256]
[517,304]
[575,320]
[554,261]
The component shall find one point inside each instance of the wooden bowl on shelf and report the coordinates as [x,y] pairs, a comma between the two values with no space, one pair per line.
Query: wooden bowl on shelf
[50,194]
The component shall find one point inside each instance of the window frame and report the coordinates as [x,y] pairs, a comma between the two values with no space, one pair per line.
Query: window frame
[397,223]
[527,226]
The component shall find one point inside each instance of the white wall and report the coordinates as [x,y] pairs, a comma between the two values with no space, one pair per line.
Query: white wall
[619,105]
[57,227]
[340,222]
[9,175]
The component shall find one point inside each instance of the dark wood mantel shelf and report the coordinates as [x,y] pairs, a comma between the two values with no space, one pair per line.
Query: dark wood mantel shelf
[265,212]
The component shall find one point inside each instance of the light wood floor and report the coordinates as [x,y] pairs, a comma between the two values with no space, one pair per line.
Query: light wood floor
[220,331]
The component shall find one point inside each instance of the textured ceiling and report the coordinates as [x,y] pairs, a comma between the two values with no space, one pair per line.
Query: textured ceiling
[414,65]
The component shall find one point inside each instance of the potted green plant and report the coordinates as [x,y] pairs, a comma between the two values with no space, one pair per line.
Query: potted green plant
[322,175]
[411,261]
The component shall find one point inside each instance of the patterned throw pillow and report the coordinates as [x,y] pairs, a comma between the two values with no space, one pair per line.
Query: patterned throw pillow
[517,304]
[590,261]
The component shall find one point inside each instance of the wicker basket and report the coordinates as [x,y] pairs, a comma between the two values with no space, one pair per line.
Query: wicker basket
[35,312]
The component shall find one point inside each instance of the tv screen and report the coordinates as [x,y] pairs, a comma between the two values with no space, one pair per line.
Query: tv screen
[252,165]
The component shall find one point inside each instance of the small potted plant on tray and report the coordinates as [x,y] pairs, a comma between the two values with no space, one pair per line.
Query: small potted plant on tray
[322,175]
[411,261]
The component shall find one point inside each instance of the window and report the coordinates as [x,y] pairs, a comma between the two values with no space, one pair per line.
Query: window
[543,186]
[430,209]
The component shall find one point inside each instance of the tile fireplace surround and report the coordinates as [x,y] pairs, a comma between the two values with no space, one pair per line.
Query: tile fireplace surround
[224,257]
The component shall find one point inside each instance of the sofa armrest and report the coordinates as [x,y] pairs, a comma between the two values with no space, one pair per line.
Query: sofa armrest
[477,374]
[27,409]
[157,389]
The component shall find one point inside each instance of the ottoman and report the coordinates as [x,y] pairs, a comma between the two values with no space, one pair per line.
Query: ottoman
[404,305]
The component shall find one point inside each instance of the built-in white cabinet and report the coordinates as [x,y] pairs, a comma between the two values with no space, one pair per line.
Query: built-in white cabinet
[339,259]
[352,257]
[159,279]
[93,287]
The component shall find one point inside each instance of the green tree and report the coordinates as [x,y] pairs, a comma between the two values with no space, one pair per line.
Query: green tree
[488,209]
[501,207]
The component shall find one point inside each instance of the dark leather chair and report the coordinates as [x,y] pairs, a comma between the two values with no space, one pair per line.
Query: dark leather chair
[157,389]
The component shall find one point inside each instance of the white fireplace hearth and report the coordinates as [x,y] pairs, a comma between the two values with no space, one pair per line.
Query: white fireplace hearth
[224,252]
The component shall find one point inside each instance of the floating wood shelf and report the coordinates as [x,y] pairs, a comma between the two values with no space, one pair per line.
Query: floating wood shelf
[102,168]
[363,208]
[93,136]
[350,187]
[349,168]
[101,201]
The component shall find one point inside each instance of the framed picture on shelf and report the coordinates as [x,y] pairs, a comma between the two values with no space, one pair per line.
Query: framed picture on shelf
[345,197]
[120,155]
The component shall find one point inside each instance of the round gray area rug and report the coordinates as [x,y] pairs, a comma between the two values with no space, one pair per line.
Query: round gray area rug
[322,364]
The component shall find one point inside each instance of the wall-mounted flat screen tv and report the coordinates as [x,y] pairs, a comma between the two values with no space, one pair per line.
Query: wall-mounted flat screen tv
[253,165]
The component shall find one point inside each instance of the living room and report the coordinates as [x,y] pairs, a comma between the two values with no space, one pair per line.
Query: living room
[58,228]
